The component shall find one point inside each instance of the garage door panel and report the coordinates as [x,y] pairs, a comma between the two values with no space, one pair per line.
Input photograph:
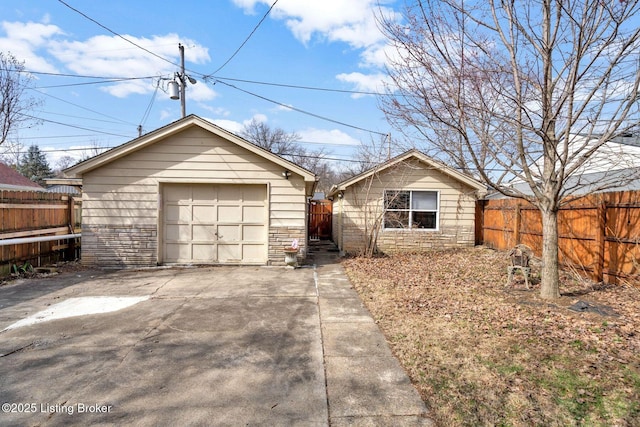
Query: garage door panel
[253,233]
[204,214]
[203,193]
[253,214]
[174,232]
[172,213]
[229,253]
[229,214]
[206,233]
[184,213]
[204,253]
[215,223]
[174,192]
[229,233]
[230,193]
[254,194]
[179,252]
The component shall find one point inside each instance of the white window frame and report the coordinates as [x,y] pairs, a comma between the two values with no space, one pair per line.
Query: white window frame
[410,210]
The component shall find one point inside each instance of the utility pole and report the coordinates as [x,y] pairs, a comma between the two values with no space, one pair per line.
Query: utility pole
[388,138]
[183,82]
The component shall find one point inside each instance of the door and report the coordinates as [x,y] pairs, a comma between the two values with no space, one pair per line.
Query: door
[320,212]
[214,224]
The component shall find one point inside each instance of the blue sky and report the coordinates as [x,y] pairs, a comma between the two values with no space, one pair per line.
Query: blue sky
[330,44]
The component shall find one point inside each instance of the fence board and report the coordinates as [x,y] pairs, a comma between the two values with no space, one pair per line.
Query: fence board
[30,214]
[599,234]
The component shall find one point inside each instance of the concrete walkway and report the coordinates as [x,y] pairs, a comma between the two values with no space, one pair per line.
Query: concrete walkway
[221,346]
[366,386]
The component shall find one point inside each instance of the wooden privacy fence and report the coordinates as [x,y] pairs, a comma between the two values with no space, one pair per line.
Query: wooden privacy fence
[599,234]
[33,214]
[320,212]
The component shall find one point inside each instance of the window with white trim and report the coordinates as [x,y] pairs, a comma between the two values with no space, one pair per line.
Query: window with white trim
[410,209]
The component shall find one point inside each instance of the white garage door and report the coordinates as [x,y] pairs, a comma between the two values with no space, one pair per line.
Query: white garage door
[207,224]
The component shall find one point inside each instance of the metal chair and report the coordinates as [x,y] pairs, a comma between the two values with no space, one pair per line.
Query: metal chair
[519,257]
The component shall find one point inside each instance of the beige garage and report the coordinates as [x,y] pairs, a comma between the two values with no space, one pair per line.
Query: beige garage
[208,223]
[191,193]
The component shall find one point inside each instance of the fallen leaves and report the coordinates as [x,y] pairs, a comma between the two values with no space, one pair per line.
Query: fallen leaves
[481,352]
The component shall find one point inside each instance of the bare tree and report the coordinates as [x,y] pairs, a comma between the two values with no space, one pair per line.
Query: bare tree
[14,102]
[369,156]
[275,140]
[95,148]
[285,144]
[12,151]
[525,90]
[63,163]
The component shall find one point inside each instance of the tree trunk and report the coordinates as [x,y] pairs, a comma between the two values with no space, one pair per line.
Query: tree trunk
[549,286]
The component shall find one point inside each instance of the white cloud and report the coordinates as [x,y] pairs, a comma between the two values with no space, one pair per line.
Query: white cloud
[364,82]
[108,56]
[230,125]
[260,118]
[330,137]
[111,56]
[200,92]
[24,39]
[352,22]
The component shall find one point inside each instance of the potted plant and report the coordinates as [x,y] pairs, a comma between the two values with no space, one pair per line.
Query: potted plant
[291,254]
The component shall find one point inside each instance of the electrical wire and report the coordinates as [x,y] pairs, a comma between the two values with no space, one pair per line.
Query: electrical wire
[317,116]
[76,117]
[145,116]
[117,34]
[322,89]
[206,78]
[82,76]
[74,126]
[82,108]
[245,41]
[85,83]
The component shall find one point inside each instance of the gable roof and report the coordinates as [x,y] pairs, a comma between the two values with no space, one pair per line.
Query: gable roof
[10,179]
[413,153]
[172,129]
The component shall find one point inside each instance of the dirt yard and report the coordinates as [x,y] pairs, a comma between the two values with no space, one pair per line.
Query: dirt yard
[481,353]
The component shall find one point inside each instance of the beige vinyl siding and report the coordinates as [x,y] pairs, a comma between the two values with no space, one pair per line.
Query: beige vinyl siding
[456,210]
[125,192]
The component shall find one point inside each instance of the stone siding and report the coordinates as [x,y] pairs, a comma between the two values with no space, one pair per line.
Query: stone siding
[280,238]
[390,241]
[119,246]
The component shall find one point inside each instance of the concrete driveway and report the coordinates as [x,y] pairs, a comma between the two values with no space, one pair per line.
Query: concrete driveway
[227,346]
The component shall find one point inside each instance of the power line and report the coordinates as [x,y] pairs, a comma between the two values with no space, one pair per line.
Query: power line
[317,116]
[116,34]
[206,78]
[60,136]
[322,89]
[76,117]
[244,42]
[145,116]
[106,81]
[75,127]
[81,107]
[82,76]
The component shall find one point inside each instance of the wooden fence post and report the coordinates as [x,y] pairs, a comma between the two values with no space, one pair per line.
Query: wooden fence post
[516,226]
[71,246]
[601,224]
[479,221]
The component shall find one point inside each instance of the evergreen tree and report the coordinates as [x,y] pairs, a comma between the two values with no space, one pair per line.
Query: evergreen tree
[34,165]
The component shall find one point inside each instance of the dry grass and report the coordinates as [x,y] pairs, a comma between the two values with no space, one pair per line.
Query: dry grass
[481,353]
